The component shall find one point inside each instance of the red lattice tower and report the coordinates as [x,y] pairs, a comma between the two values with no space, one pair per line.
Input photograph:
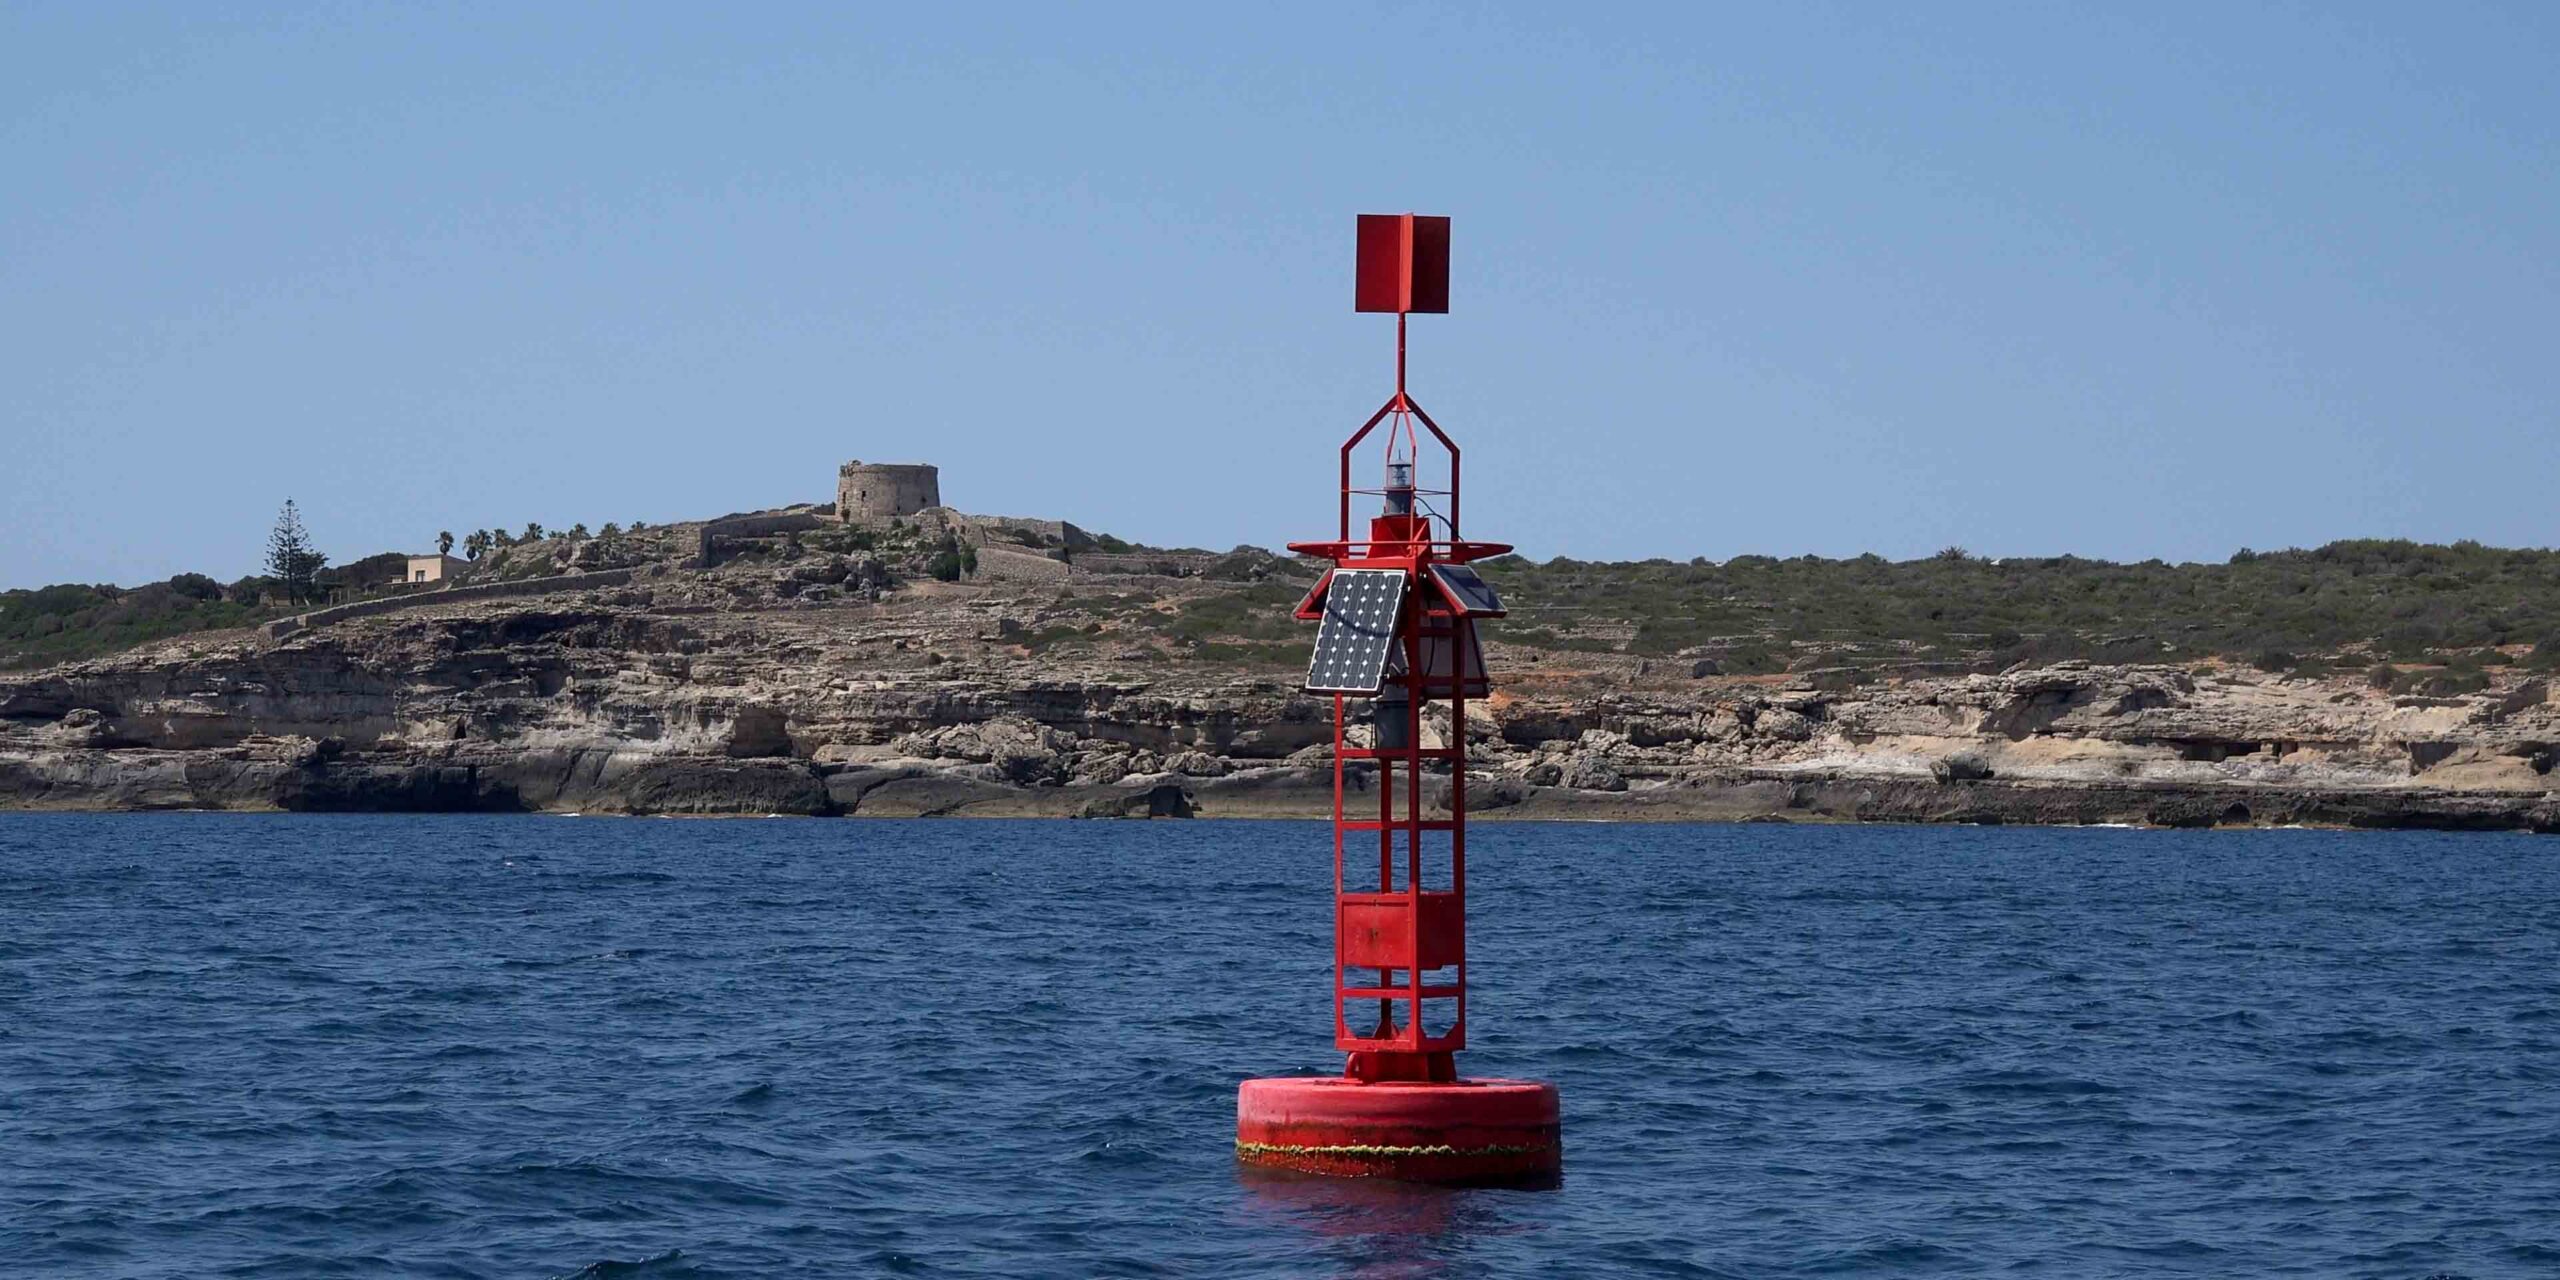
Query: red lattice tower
[1397,614]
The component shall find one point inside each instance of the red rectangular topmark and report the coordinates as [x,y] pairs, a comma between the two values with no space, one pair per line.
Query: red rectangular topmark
[1404,263]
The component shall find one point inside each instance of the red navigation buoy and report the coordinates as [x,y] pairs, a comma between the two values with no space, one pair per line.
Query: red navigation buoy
[1396,631]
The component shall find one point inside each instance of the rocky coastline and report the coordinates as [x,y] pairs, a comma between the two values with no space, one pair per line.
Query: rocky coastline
[795,684]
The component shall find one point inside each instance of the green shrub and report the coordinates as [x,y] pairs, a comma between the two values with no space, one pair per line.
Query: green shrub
[2447,684]
[70,621]
[1055,634]
[1258,612]
[1750,660]
[2408,601]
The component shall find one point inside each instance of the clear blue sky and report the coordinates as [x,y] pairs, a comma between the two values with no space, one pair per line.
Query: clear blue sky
[2142,281]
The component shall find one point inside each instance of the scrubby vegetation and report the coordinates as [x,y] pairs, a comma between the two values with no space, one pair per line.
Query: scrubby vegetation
[2425,619]
[2412,618]
[2396,599]
[1259,612]
[952,560]
[69,621]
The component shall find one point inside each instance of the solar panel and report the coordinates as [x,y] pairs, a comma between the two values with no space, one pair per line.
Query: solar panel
[1358,631]
[1471,595]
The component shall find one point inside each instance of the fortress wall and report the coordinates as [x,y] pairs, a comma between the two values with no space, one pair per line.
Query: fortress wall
[1163,565]
[753,527]
[1015,530]
[282,627]
[1017,565]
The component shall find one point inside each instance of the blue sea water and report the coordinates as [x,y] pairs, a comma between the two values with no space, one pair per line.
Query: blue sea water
[429,1046]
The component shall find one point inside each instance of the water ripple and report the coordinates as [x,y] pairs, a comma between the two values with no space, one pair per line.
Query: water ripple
[468,1046]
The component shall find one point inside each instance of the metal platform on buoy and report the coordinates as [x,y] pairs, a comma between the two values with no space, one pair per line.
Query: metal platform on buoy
[1396,631]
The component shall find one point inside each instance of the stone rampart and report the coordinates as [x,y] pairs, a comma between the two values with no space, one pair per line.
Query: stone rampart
[1169,564]
[1032,535]
[764,526]
[282,627]
[1021,566]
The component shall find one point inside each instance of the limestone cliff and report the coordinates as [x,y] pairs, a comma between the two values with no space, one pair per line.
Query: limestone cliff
[788,681]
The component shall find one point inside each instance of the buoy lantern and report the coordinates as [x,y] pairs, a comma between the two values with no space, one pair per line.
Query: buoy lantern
[1396,634]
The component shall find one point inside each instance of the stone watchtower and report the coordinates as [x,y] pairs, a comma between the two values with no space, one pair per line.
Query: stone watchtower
[873,491]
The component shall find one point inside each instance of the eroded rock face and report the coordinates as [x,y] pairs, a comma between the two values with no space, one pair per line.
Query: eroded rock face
[801,688]
[1014,749]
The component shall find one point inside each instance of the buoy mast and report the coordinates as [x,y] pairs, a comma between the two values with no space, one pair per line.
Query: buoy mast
[1396,631]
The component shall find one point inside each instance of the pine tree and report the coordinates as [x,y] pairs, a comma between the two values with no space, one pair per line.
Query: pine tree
[291,558]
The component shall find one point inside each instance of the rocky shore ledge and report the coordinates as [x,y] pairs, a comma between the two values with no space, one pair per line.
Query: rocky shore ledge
[757,689]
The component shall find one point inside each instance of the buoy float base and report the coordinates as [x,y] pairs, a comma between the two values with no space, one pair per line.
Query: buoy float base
[1455,1132]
